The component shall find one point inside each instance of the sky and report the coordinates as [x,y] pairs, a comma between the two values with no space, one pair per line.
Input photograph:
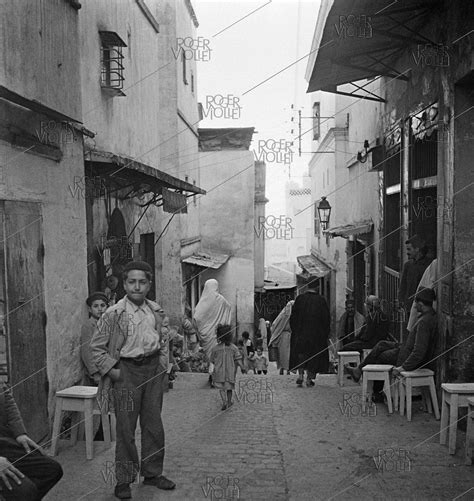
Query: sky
[248,60]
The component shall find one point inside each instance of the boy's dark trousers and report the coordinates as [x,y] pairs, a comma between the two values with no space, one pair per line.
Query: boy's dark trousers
[139,392]
[41,472]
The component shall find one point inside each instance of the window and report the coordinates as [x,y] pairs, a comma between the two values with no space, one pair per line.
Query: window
[316,121]
[111,59]
[317,226]
[192,82]
[183,62]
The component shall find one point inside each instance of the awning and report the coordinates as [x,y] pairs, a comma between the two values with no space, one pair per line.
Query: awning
[119,173]
[345,231]
[205,260]
[34,105]
[347,49]
[313,266]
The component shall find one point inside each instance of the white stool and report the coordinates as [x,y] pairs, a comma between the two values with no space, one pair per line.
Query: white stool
[346,357]
[470,431]
[376,372]
[413,379]
[80,399]
[454,395]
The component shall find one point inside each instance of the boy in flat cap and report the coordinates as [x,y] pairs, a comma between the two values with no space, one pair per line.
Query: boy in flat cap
[97,304]
[130,349]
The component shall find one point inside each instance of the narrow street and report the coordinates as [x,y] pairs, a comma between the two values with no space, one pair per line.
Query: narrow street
[279,442]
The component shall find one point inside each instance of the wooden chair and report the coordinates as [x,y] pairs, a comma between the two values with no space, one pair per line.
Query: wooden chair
[421,378]
[80,400]
[346,357]
[454,395]
[470,431]
[376,372]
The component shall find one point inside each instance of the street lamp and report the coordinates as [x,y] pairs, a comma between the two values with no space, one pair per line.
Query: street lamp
[324,211]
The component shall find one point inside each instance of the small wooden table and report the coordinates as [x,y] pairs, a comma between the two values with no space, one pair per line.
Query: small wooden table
[454,395]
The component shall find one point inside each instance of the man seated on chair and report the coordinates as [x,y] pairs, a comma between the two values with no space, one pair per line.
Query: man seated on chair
[417,350]
[374,330]
[350,326]
[25,472]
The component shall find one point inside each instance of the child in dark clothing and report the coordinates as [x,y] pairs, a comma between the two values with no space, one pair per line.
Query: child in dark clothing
[225,357]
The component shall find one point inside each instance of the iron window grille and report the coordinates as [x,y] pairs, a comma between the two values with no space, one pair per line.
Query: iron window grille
[111,62]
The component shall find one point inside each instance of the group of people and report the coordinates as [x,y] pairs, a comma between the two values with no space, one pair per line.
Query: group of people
[300,333]
[126,351]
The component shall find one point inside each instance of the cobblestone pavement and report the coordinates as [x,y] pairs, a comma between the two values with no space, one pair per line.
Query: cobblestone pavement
[279,442]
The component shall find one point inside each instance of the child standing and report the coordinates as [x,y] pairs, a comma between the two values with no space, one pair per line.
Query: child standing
[97,303]
[225,357]
[250,351]
[261,362]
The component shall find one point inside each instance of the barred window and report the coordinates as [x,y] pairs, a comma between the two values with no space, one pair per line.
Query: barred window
[111,60]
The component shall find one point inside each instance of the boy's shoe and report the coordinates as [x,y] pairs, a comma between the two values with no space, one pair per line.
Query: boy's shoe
[309,382]
[161,482]
[224,407]
[123,491]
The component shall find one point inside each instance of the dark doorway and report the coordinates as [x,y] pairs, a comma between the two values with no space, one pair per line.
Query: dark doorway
[24,321]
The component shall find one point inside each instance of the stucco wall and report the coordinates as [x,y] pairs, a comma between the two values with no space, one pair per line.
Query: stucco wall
[41,61]
[227,220]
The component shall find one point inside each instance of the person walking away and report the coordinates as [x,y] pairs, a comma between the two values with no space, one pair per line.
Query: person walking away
[310,323]
[211,310]
[130,350]
[281,337]
[225,357]
[261,362]
[26,473]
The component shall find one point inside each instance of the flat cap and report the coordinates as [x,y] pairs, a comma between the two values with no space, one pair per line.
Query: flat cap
[138,265]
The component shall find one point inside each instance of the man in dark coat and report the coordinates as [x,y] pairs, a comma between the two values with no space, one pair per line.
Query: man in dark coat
[412,271]
[309,322]
[25,472]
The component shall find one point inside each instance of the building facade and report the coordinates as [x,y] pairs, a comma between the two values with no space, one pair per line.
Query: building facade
[43,257]
[425,137]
